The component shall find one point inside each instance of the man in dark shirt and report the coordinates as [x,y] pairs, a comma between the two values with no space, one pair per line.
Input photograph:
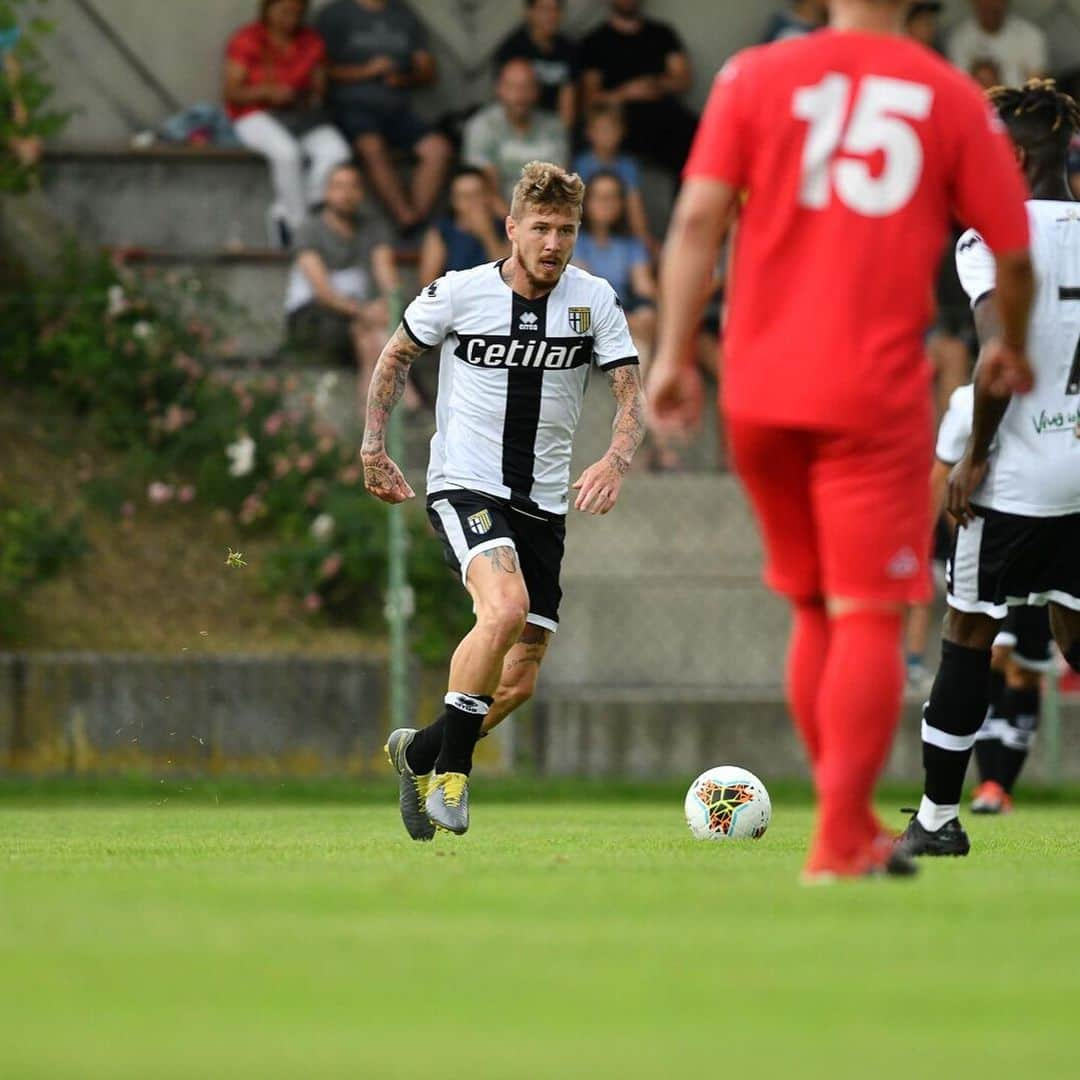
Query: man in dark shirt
[642,65]
[553,55]
[377,52]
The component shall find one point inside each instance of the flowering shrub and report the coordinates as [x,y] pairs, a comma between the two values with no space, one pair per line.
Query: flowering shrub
[123,352]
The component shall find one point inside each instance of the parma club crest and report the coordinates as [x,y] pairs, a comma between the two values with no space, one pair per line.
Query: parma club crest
[480,522]
[580,319]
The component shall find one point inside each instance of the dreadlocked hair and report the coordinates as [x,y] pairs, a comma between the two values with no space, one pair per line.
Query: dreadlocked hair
[1037,113]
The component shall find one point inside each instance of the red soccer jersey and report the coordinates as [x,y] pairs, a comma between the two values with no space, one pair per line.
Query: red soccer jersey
[264,63]
[854,151]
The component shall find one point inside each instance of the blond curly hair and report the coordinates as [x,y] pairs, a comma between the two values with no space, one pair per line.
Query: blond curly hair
[544,186]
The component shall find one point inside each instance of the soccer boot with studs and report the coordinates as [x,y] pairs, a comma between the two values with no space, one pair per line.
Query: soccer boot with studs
[412,789]
[991,798]
[448,802]
[950,839]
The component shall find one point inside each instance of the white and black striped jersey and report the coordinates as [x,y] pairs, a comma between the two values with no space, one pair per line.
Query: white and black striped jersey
[1035,468]
[512,378]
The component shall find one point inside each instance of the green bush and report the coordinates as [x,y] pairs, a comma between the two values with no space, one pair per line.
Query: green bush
[119,350]
[33,548]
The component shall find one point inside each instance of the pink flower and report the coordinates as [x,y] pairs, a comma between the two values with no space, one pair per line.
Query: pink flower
[326,444]
[314,494]
[273,424]
[127,510]
[282,466]
[159,493]
[313,603]
[331,567]
[186,494]
[251,510]
[175,418]
[350,475]
[292,384]
[305,463]
[270,384]
[247,403]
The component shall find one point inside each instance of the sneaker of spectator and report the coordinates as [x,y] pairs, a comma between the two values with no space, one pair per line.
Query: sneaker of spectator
[553,55]
[605,130]
[336,303]
[378,53]
[472,233]
[802,17]
[275,78]
[642,65]
[504,137]
[1017,46]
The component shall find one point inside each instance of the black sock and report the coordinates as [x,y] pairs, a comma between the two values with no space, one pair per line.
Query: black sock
[952,716]
[424,749]
[464,716]
[1072,656]
[987,743]
[1021,709]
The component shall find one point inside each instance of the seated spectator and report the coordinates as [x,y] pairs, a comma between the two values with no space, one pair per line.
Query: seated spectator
[604,132]
[275,77]
[642,65]
[923,23]
[336,300]
[473,233]
[802,18]
[1017,46]
[606,248]
[378,52]
[504,137]
[25,149]
[553,55]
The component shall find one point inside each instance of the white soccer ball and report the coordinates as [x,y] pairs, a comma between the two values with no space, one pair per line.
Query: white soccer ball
[727,803]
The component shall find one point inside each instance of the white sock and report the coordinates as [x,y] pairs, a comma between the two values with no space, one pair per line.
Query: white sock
[932,817]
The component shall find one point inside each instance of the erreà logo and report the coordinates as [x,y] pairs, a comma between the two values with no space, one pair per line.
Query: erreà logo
[541,354]
[528,321]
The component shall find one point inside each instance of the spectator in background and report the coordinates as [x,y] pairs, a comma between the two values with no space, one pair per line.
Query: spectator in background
[26,149]
[642,65]
[336,300]
[553,55]
[1017,46]
[986,73]
[802,17]
[503,138]
[923,23]
[275,78]
[605,130]
[472,234]
[378,52]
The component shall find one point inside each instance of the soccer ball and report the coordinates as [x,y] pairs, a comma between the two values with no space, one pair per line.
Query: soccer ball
[727,803]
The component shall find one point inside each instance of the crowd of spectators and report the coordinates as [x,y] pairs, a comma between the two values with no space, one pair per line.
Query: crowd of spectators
[313,92]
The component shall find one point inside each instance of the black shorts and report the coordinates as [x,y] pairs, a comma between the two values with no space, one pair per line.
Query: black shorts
[401,128]
[1026,630]
[1002,560]
[320,334]
[469,522]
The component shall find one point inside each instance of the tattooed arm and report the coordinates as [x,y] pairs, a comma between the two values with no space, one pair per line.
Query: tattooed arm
[381,476]
[598,486]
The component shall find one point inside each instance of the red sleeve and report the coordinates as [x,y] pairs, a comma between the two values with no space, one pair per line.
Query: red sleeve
[721,146]
[989,191]
[243,47]
[315,47]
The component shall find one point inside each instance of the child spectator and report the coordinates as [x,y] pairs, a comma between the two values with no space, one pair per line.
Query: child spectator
[553,55]
[604,132]
[472,234]
[336,300]
[504,137]
[275,77]
[378,52]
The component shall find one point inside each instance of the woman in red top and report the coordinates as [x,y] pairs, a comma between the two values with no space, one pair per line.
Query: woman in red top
[275,77]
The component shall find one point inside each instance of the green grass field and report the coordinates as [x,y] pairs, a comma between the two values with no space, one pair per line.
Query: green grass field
[558,939]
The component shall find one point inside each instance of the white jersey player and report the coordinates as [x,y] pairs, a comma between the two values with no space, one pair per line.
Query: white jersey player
[1015,490]
[518,340]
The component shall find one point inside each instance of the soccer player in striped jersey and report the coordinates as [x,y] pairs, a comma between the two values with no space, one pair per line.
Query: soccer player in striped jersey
[1016,491]
[518,340]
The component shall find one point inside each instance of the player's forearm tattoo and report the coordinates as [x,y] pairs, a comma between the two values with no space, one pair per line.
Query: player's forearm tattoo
[502,558]
[629,427]
[388,382]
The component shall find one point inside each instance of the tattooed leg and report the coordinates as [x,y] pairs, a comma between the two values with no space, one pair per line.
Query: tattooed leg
[521,668]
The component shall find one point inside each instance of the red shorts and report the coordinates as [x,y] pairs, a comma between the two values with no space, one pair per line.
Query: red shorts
[843,515]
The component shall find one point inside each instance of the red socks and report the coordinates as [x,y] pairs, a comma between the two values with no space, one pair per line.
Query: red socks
[858,708]
[807,652]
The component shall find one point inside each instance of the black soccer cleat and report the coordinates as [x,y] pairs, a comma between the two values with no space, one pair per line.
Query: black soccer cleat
[950,839]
